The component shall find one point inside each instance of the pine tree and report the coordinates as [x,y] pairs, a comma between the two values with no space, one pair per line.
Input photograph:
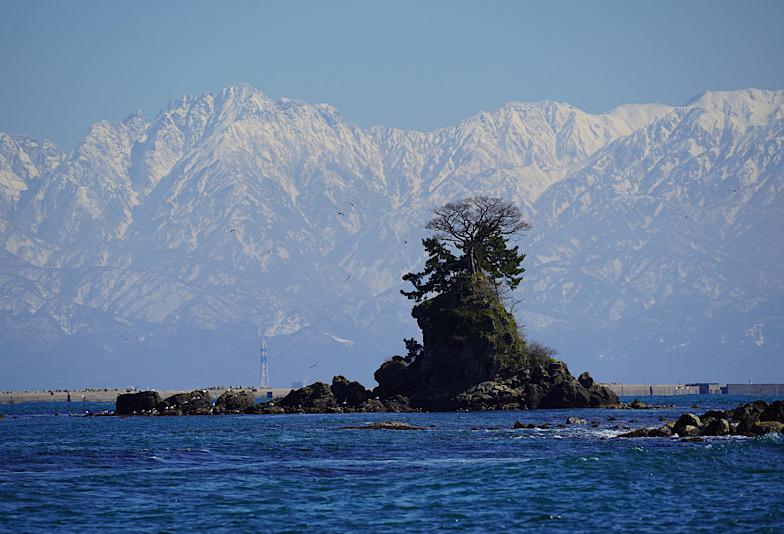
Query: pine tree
[471,237]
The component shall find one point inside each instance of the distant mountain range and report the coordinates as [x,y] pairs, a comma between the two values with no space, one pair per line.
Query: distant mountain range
[157,252]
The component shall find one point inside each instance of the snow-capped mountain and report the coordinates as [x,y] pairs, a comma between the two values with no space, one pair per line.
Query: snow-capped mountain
[157,252]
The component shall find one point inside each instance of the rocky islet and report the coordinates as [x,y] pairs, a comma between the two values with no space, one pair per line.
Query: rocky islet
[751,419]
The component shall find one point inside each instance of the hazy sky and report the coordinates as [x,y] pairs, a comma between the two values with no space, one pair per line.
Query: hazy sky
[416,65]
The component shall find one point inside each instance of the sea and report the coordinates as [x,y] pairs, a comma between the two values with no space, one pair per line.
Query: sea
[466,472]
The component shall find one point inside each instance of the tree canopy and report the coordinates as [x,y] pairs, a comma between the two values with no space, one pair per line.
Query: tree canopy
[470,236]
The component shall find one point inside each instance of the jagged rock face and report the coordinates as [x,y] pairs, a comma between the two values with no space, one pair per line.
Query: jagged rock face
[468,338]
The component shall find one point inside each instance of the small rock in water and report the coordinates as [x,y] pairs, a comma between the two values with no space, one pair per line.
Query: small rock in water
[639,433]
[717,427]
[385,425]
[575,421]
[518,424]
[688,431]
[687,420]
[692,440]
[766,427]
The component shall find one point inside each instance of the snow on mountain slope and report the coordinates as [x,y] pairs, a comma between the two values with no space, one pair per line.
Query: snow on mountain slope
[671,239]
[172,244]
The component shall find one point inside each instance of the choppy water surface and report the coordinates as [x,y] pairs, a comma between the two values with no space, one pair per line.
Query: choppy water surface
[470,471]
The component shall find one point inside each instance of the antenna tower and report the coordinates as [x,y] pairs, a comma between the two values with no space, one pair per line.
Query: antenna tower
[264,381]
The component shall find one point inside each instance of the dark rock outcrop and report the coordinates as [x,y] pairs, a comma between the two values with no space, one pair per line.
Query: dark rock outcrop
[348,393]
[143,402]
[371,405]
[397,404]
[317,397]
[566,394]
[751,419]
[234,402]
[585,380]
[392,377]
[685,420]
[473,358]
[717,427]
[774,412]
[761,428]
[196,402]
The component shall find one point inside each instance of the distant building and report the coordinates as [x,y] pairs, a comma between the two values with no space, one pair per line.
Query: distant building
[708,388]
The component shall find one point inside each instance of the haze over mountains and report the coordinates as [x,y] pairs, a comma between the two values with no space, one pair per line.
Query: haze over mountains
[158,251]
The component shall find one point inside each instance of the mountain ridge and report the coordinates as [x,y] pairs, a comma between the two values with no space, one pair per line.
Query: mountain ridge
[231,215]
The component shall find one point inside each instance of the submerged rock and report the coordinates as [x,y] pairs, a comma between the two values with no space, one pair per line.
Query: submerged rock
[519,425]
[143,402]
[638,433]
[385,425]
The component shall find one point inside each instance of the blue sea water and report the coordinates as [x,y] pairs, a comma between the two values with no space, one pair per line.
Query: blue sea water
[304,473]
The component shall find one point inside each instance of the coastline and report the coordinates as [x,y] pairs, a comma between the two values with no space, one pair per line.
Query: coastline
[110,394]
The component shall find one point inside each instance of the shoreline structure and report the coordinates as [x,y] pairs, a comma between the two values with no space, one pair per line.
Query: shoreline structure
[630,390]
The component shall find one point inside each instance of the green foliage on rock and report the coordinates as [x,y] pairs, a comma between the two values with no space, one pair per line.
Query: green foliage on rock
[471,237]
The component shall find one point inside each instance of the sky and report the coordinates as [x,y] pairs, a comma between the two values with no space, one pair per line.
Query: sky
[412,65]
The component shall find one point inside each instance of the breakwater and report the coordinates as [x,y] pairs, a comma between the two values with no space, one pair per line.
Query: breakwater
[699,388]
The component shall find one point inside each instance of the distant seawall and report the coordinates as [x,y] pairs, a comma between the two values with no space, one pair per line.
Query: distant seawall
[644,390]
[755,389]
[702,388]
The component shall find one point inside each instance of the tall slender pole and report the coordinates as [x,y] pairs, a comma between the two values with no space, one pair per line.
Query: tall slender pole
[264,381]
